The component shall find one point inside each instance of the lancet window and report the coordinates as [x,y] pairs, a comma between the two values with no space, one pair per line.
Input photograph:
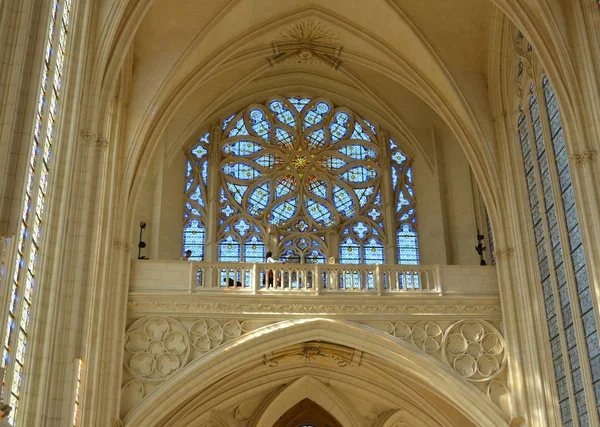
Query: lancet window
[25,277]
[303,178]
[572,326]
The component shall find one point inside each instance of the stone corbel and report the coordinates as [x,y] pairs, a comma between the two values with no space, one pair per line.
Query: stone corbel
[588,156]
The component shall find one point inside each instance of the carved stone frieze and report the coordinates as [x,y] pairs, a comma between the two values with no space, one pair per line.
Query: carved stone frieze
[311,351]
[298,308]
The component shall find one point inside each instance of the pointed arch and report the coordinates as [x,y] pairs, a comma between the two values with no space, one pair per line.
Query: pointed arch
[433,375]
[308,388]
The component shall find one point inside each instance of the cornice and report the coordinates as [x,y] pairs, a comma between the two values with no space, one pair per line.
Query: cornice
[137,307]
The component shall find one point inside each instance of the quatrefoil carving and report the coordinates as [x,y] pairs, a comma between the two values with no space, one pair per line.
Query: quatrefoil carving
[474,349]
[156,348]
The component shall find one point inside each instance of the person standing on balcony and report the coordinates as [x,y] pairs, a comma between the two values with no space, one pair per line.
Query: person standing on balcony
[187,256]
[270,260]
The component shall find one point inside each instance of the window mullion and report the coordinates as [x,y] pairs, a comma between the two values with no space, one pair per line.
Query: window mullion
[553,279]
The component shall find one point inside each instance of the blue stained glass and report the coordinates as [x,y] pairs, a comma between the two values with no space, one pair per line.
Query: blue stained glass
[317,186]
[242,148]
[314,256]
[237,191]
[373,252]
[398,157]
[260,125]
[359,133]
[254,250]
[259,198]
[269,160]
[199,151]
[194,235]
[343,202]
[359,174]
[188,171]
[394,179]
[242,227]
[284,185]
[239,129]
[331,163]
[339,126]
[283,114]
[374,214]
[363,195]
[349,251]
[393,144]
[204,172]
[319,212]
[192,209]
[227,210]
[315,114]
[197,196]
[409,190]
[408,245]
[358,152]
[242,171]
[360,229]
[227,121]
[284,138]
[301,226]
[229,249]
[284,211]
[409,174]
[407,215]
[299,103]
[402,201]
[371,125]
[316,138]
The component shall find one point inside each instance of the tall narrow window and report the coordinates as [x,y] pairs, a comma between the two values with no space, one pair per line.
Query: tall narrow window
[32,218]
[407,242]
[196,187]
[573,336]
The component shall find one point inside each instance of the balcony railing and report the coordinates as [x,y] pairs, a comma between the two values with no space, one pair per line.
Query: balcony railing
[252,278]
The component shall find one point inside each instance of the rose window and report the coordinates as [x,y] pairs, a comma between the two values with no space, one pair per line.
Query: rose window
[298,168]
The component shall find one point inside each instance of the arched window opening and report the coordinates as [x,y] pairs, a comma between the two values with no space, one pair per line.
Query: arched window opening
[196,187]
[301,169]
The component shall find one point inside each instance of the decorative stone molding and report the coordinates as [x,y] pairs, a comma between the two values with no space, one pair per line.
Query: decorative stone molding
[504,253]
[588,156]
[474,349]
[309,42]
[298,308]
[156,348]
[310,351]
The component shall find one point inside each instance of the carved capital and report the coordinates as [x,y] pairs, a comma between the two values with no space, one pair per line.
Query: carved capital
[504,253]
[588,156]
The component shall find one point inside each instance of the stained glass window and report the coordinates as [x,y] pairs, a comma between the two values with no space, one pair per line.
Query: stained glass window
[30,235]
[296,168]
[196,187]
[573,336]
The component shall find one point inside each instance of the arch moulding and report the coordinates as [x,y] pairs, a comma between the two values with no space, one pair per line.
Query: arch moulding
[226,360]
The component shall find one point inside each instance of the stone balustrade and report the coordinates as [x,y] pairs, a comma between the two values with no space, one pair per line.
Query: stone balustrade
[258,278]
